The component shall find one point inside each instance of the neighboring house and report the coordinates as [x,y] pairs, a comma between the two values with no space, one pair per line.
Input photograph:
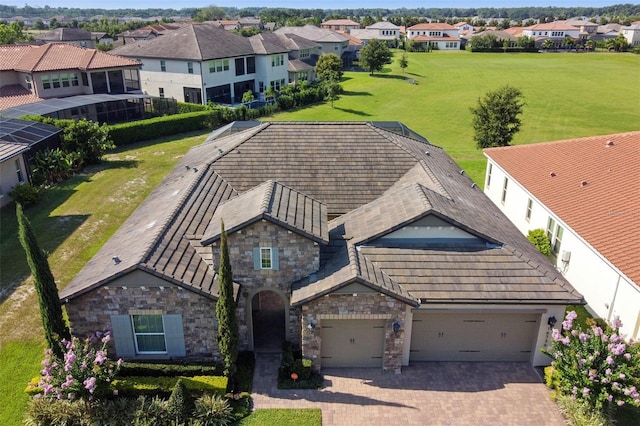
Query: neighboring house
[102,37]
[500,36]
[632,34]
[587,29]
[556,31]
[345,25]
[608,31]
[435,35]
[364,245]
[30,73]
[380,31]
[201,63]
[20,140]
[464,27]
[76,36]
[584,194]
[328,40]
[302,57]
[250,22]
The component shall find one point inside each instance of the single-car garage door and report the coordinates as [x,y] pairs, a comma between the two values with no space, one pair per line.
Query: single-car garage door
[352,343]
[473,337]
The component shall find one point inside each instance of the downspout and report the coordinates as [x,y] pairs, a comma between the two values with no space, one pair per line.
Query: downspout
[613,301]
[202,84]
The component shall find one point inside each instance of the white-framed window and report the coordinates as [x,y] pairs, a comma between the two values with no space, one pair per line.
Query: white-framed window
[277,60]
[55,81]
[19,170]
[28,82]
[219,66]
[149,334]
[305,53]
[504,190]
[74,79]
[163,66]
[161,92]
[527,214]
[489,170]
[64,79]
[190,67]
[555,233]
[261,86]
[265,258]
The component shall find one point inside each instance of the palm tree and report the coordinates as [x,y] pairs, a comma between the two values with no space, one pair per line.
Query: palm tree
[590,45]
[547,44]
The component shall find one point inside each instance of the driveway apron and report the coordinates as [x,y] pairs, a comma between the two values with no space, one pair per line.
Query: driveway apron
[426,393]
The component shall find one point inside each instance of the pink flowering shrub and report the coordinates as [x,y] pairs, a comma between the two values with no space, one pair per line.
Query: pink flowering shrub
[596,366]
[83,368]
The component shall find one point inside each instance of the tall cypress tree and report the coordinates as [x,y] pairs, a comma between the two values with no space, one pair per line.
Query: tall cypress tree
[226,311]
[55,328]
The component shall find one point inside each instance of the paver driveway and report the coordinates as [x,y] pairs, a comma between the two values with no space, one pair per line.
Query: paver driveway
[429,393]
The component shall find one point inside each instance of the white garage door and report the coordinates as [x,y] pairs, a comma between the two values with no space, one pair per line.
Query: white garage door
[352,343]
[473,337]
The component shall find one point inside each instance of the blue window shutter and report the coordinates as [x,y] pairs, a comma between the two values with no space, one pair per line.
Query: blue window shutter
[174,335]
[275,259]
[123,336]
[257,264]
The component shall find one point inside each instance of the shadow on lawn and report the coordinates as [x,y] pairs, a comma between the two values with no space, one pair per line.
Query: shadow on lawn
[353,111]
[354,93]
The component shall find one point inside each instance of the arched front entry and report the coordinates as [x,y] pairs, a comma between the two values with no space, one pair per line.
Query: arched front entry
[268,313]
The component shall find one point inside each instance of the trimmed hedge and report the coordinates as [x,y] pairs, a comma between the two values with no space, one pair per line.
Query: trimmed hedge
[503,50]
[163,386]
[135,131]
[172,370]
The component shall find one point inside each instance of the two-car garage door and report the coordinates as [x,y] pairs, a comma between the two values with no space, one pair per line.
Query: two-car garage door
[473,336]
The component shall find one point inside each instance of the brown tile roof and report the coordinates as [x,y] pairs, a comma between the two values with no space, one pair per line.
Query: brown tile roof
[345,165]
[58,56]
[340,22]
[273,202]
[15,95]
[197,42]
[10,150]
[591,184]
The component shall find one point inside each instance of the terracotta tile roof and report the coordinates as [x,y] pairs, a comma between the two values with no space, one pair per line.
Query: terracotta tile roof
[15,95]
[591,184]
[432,26]
[58,56]
[552,26]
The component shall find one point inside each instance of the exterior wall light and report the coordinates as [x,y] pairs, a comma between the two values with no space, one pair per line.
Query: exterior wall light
[552,321]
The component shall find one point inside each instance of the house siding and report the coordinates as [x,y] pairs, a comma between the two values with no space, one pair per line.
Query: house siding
[346,306]
[139,292]
[608,292]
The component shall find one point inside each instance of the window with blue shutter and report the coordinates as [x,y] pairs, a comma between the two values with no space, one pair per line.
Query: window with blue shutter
[266,258]
[123,336]
[148,335]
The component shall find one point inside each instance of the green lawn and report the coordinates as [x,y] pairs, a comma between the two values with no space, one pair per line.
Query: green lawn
[567,95]
[283,417]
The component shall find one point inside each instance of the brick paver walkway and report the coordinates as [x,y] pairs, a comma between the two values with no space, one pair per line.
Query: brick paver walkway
[430,393]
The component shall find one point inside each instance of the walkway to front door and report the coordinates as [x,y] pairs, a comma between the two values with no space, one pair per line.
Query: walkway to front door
[428,393]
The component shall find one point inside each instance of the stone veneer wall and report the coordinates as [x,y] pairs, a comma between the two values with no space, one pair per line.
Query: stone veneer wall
[298,257]
[362,306]
[140,292]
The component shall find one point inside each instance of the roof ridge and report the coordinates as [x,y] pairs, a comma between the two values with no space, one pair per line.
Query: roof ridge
[435,179]
[354,262]
[265,205]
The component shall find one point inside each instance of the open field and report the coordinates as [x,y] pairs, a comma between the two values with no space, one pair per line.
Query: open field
[567,95]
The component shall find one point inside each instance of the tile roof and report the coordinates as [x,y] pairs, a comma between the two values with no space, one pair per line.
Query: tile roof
[275,203]
[591,184]
[65,34]
[443,37]
[552,26]
[383,25]
[340,22]
[313,33]
[15,95]
[269,43]
[383,179]
[58,56]
[432,26]
[10,150]
[197,42]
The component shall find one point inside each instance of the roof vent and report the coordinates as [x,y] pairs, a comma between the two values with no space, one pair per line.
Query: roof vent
[609,143]
[584,183]
[461,172]
[427,152]
[552,174]
[473,185]
[116,260]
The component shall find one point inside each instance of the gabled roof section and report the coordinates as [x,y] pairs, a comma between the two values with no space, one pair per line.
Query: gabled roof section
[62,56]
[591,184]
[313,33]
[350,267]
[383,25]
[65,34]
[196,42]
[269,43]
[275,203]
[432,26]
[10,150]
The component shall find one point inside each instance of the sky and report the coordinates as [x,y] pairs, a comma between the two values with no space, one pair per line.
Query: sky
[321,4]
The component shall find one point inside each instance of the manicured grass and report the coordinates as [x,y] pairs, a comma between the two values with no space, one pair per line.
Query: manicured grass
[567,95]
[73,221]
[283,417]
[19,362]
